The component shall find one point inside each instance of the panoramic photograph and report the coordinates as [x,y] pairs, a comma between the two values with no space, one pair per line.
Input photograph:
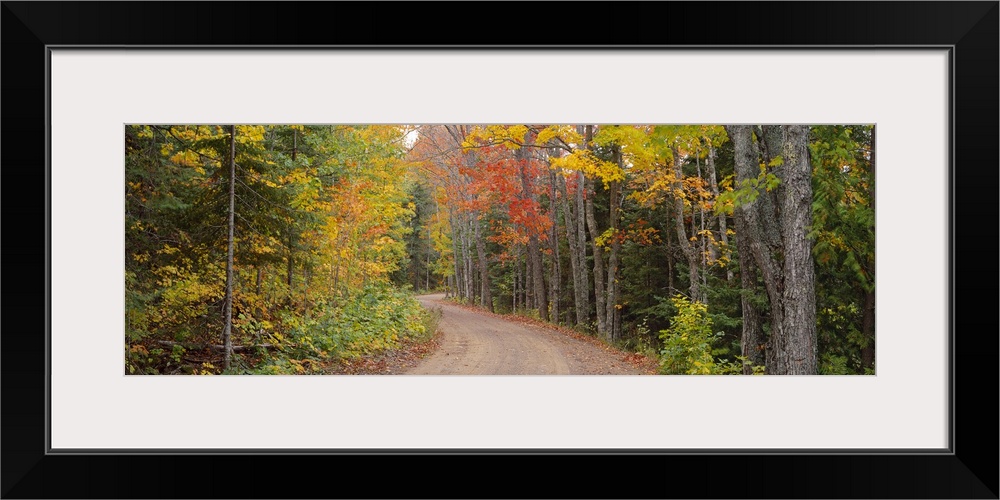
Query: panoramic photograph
[499,249]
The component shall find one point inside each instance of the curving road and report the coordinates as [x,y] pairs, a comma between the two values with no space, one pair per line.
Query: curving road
[479,343]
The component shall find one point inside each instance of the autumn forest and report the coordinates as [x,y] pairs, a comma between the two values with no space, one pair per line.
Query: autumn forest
[301,249]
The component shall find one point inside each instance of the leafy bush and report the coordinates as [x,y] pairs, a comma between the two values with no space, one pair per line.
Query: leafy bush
[377,318]
[688,343]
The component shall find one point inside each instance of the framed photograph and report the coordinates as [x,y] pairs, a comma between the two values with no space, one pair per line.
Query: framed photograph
[924,74]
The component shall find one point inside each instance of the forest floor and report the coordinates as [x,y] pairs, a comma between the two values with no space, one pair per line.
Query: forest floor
[470,341]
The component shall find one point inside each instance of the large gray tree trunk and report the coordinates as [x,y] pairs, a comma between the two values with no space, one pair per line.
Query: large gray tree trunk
[799,290]
[775,225]
[752,339]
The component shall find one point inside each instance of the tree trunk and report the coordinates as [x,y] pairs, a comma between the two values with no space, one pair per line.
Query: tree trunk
[669,243]
[799,272]
[534,247]
[581,247]
[555,275]
[689,251]
[577,263]
[614,217]
[776,224]
[427,262]
[714,186]
[485,295]
[227,341]
[517,279]
[529,293]
[537,277]
[574,260]
[752,339]
[600,298]
[290,250]
[456,253]
[470,283]
[599,291]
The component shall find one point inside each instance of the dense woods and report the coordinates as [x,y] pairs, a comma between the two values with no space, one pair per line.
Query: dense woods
[739,249]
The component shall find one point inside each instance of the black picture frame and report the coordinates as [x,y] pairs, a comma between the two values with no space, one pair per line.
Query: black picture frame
[969,470]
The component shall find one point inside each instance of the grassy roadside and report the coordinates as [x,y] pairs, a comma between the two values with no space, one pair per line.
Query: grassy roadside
[395,360]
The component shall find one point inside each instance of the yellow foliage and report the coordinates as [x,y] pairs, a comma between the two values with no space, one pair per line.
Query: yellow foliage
[567,133]
[246,134]
[585,161]
[510,136]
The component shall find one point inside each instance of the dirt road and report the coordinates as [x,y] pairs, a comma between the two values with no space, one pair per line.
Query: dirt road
[480,343]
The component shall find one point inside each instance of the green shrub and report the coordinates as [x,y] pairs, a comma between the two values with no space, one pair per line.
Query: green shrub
[688,343]
[377,318]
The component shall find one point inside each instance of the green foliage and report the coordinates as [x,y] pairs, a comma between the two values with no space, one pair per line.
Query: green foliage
[688,343]
[641,340]
[320,213]
[378,318]
[140,361]
[844,233]
[747,192]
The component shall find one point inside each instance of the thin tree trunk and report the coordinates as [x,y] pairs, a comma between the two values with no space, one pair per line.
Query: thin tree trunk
[517,279]
[600,298]
[290,247]
[576,266]
[589,188]
[456,253]
[581,247]
[669,243]
[227,341]
[687,248]
[470,273]
[485,295]
[614,218]
[470,286]
[555,278]
[714,186]
[427,262]
[305,290]
[529,291]
[704,241]
[534,247]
